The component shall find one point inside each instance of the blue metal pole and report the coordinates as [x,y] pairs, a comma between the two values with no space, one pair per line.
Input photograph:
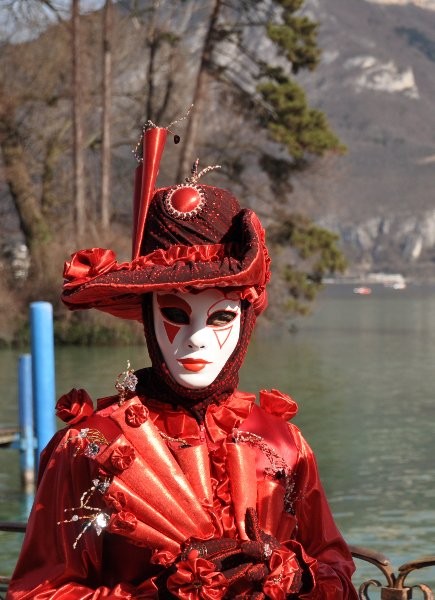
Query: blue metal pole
[25,413]
[42,343]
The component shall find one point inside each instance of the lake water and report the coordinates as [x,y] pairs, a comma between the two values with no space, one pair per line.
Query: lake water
[362,371]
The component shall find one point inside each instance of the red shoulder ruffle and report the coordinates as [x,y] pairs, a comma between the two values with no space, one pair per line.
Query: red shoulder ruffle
[278,404]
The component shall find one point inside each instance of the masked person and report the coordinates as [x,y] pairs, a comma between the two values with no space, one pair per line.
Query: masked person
[180,486]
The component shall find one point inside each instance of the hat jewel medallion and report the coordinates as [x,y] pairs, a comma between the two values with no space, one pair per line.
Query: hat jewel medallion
[184,201]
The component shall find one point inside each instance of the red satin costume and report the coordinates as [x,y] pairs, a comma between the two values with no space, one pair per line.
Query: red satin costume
[169,491]
[112,565]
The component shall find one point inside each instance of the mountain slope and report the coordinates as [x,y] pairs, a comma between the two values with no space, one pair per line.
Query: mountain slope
[376,83]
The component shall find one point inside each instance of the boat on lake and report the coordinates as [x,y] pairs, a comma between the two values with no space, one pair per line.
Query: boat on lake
[362,290]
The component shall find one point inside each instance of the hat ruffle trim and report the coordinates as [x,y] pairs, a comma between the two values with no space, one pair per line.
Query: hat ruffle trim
[94,278]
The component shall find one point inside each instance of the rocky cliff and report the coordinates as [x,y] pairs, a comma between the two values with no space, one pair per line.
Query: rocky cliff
[376,83]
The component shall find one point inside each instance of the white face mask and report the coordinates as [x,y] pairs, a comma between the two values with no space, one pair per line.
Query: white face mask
[196,333]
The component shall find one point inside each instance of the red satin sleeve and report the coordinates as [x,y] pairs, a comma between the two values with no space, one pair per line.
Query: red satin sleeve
[318,544]
[49,568]
[318,534]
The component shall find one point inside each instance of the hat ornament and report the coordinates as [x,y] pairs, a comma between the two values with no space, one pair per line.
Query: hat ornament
[186,200]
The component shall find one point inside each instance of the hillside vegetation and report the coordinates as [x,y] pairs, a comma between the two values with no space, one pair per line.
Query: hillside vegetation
[75,96]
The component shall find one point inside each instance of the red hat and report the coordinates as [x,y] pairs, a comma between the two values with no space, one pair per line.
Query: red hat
[185,237]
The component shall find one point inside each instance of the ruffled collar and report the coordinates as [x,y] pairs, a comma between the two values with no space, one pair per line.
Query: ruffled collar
[218,422]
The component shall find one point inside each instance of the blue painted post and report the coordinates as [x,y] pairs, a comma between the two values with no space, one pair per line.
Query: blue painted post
[25,413]
[42,343]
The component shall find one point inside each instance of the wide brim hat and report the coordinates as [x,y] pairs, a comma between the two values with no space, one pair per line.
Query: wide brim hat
[185,237]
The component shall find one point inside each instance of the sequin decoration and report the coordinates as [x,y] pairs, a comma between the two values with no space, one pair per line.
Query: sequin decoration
[91,515]
[180,443]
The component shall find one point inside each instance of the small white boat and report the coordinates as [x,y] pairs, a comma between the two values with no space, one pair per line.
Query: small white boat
[397,285]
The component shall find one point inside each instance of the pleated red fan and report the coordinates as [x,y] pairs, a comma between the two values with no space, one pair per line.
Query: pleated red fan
[162,497]
[154,501]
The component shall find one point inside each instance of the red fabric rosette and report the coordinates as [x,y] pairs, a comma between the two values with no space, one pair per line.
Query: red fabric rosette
[122,457]
[74,406]
[87,264]
[163,558]
[117,500]
[278,404]
[285,575]
[197,579]
[123,522]
[136,414]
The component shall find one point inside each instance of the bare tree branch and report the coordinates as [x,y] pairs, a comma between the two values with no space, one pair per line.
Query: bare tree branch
[106,115]
[79,164]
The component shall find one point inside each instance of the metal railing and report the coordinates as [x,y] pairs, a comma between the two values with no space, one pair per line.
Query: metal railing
[393,588]
[12,527]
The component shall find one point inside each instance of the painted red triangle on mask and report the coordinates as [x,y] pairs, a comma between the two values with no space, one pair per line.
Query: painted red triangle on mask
[222,335]
[171,330]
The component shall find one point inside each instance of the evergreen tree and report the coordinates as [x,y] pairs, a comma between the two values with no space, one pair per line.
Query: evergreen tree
[261,78]
[314,254]
[256,48]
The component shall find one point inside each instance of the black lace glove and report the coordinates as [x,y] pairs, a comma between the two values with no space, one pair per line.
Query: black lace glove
[244,564]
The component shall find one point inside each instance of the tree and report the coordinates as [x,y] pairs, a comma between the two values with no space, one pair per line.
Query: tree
[199,93]
[304,254]
[161,54]
[291,122]
[78,110]
[259,76]
[29,160]
[27,203]
[106,115]
[254,50]
[36,124]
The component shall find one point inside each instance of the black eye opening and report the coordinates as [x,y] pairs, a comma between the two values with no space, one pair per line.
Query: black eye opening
[221,317]
[175,315]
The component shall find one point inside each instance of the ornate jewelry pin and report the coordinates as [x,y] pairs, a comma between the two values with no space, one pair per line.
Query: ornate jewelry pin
[93,439]
[93,516]
[126,382]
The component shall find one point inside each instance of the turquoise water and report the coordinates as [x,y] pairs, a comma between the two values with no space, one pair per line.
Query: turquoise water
[362,372]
